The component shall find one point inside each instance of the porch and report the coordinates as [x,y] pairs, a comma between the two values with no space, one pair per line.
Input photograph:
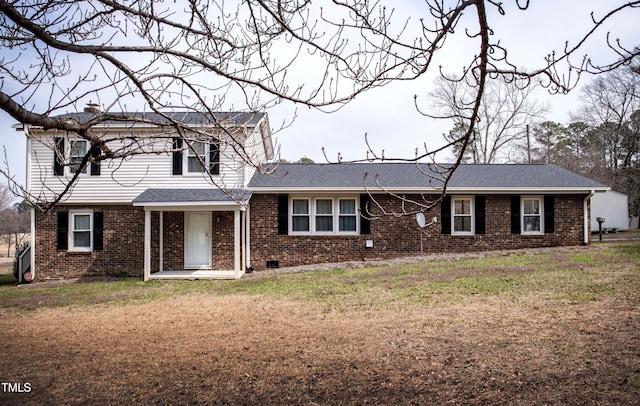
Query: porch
[193,274]
[195,233]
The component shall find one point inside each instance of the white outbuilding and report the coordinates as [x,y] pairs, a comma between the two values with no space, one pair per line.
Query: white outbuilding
[613,207]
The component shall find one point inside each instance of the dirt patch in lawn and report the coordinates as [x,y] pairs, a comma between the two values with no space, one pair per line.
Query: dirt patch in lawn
[241,349]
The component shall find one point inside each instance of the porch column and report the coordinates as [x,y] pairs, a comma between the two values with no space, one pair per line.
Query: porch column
[147,245]
[161,254]
[236,245]
[247,238]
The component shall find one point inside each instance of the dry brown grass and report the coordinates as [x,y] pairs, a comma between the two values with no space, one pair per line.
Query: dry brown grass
[265,349]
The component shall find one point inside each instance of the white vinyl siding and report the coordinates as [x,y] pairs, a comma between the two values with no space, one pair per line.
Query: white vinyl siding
[121,181]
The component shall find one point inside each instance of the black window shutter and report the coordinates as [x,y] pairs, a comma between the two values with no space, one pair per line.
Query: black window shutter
[365,221]
[214,158]
[549,216]
[63,228]
[95,166]
[58,157]
[283,214]
[177,156]
[445,215]
[515,214]
[479,214]
[98,227]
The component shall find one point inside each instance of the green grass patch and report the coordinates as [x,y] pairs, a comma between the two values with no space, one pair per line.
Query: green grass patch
[558,277]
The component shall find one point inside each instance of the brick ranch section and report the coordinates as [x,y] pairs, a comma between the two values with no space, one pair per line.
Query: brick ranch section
[395,237]
[123,238]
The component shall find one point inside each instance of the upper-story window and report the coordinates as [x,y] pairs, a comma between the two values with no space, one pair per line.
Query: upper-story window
[197,157]
[323,215]
[200,156]
[70,153]
[76,154]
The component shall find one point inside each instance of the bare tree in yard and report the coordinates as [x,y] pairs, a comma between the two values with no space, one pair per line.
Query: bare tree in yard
[502,116]
[610,106]
[164,57]
[14,219]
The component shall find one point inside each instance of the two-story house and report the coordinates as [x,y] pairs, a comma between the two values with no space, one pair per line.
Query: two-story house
[184,208]
[173,203]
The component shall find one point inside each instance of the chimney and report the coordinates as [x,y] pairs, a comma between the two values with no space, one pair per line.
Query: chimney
[92,108]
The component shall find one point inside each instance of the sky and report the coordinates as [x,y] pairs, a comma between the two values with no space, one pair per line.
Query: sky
[388,117]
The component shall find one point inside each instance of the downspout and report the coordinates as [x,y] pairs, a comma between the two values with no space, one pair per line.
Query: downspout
[587,217]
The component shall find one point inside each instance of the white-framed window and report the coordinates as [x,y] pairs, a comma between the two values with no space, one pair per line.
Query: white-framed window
[323,215]
[77,151]
[80,230]
[197,154]
[531,209]
[348,216]
[300,216]
[462,215]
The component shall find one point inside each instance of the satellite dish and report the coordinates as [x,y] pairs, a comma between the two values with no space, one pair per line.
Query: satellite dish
[421,220]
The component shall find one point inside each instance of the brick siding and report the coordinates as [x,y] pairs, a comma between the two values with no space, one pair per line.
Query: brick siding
[123,237]
[123,251]
[400,236]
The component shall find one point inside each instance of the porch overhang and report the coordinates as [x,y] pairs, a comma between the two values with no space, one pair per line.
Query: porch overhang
[202,200]
[195,199]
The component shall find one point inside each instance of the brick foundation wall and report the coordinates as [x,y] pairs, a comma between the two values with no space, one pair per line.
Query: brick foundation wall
[123,236]
[394,237]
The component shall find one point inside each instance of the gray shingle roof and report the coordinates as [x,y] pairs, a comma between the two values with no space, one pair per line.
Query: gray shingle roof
[409,176]
[185,117]
[192,195]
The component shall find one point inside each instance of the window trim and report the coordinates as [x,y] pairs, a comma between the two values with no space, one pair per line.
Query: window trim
[540,215]
[71,245]
[313,215]
[471,215]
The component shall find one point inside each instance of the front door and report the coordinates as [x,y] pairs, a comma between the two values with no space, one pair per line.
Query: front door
[197,251]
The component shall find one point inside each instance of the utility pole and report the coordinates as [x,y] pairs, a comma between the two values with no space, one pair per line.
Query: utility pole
[528,145]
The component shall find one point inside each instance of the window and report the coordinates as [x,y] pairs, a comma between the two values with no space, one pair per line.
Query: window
[531,215]
[76,154]
[300,215]
[80,230]
[462,215]
[200,155]
[196,157]
[348,219]
[323,215]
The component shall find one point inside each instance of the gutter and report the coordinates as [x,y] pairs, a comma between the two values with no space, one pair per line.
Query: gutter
[586,217]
